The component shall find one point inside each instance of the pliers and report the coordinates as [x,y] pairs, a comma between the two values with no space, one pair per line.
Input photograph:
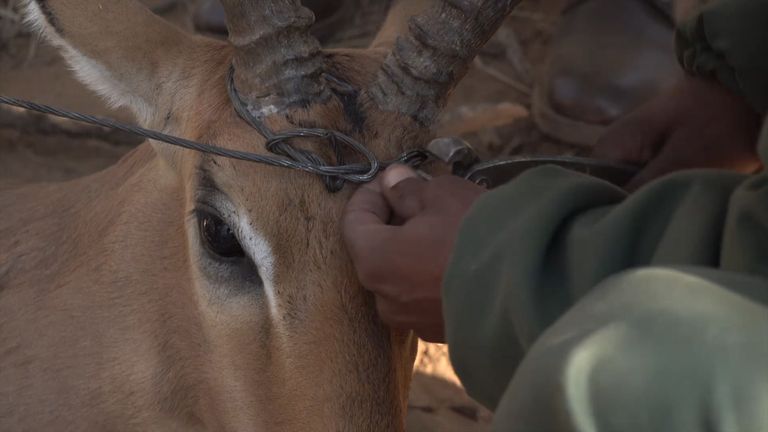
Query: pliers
[464,162]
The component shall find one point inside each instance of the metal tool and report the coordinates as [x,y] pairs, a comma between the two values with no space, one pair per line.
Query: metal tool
[465,163]
[455,152]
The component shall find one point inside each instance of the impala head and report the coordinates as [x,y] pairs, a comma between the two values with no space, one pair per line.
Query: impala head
[283,337]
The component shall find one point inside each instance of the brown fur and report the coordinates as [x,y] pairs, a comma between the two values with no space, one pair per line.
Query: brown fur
[109,316]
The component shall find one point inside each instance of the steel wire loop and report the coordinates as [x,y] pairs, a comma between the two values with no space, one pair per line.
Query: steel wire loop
[280,144]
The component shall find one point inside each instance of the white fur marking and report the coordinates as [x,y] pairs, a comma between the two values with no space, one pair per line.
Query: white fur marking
[258,248]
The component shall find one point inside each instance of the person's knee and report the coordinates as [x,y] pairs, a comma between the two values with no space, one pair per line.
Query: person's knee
[647,344]
[677,293]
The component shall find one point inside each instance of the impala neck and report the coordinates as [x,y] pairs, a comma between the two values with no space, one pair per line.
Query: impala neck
[72,299]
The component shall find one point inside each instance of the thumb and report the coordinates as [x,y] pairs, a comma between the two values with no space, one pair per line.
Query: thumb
[403,189]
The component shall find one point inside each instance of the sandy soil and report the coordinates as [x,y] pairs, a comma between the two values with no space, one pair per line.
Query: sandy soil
[490,109]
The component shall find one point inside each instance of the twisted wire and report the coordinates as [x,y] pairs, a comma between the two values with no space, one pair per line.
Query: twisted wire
[334,176]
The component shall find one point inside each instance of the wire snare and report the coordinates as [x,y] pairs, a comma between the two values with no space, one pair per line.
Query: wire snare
[280,144]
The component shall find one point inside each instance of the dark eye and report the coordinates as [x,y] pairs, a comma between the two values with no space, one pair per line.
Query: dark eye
[218,237]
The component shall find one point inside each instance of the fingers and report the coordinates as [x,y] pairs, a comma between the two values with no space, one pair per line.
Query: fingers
[655,169]
[365,218]
[403,190]
[695,146]
[676,155]
[636,138]
[367,206]
[425,319]
[403,265]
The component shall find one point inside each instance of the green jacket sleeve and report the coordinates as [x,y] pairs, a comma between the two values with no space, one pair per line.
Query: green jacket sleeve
[530,249]
[728,40]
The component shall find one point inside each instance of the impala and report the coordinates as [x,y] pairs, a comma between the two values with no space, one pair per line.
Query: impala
[181,291]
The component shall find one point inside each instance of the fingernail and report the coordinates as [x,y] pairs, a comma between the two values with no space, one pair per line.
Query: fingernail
[397,173]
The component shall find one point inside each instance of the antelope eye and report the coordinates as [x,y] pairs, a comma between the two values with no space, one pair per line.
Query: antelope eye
[218,237]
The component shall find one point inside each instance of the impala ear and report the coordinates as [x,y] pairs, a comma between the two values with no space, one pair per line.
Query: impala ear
[118,48]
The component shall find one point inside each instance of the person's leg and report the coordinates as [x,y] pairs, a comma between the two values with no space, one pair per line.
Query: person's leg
[606,58]
[650,350]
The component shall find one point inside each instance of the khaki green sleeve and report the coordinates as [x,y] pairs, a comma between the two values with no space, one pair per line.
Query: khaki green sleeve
[529,250]
[679,349]
[728,40]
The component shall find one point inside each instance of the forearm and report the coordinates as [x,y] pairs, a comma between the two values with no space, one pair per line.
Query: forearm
[529,250]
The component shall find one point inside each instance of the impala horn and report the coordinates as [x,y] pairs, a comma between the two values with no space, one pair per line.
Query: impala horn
[277,63]
[427,62]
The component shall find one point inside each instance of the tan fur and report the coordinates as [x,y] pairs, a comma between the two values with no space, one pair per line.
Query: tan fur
[109,316]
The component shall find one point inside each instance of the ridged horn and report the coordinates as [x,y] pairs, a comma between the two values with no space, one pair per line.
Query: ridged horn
[277,63]
[427,62]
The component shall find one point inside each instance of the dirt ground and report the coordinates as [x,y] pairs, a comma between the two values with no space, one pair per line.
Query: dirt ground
[490,109]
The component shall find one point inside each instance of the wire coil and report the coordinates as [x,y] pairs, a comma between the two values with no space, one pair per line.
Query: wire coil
[280,144]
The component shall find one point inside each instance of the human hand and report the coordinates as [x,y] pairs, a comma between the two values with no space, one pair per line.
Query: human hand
[698,123]
[403,263]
